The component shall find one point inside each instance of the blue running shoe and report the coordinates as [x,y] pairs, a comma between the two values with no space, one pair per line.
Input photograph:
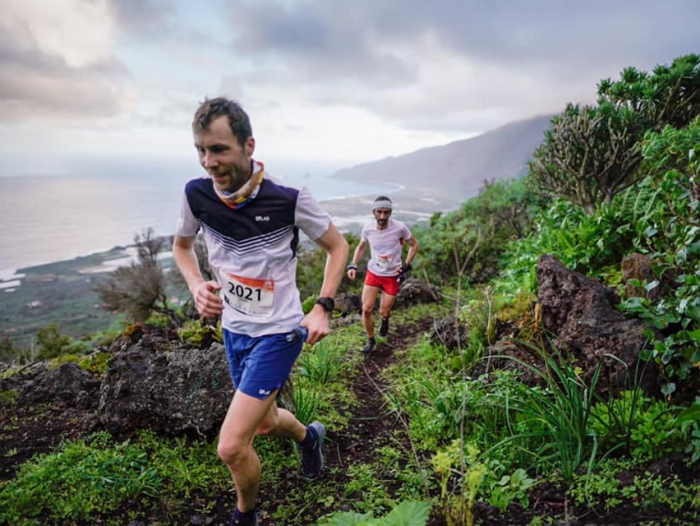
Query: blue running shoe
[312,456]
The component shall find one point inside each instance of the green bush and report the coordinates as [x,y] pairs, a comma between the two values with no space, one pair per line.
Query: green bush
[669,231]
[465,245]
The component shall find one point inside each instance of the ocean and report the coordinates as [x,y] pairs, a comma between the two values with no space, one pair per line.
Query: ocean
[49,219]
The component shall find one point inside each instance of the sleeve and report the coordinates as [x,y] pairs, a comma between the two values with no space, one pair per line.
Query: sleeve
[313,220]
[406,232]
[187,225]
[363,234]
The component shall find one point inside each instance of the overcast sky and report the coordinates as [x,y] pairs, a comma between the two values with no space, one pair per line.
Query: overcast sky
[325,82]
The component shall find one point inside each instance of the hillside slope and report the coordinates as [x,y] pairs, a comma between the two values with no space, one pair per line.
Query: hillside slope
[460,168]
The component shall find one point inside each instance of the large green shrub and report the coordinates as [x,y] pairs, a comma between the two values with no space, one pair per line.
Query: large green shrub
[465,244]
[669,232]
[590,154]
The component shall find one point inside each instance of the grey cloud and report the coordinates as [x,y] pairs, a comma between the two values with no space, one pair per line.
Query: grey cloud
[36,84]
[323,40]
[362,51]
[144,17]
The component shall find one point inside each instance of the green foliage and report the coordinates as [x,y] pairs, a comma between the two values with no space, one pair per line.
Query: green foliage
[95,363]
[365,484]
[459,504]
[585,243]
[82,480]
[605,489]
[8,396]
[188,468]
[589,154]
[656,435]
[592,153]
[600,486]
[51,342]
[465,244]
[105,337]
[480,316]
[405,514]
[670,233]
[322,363]
[441,403]
[689,422]
[509,488]
[613,420]
[552,423]
[308,304]
[434,406]
[310,267]
[677,151]
[306,403]
[670,95]
[636,425]
[7,350]
[95,476]
[200,333]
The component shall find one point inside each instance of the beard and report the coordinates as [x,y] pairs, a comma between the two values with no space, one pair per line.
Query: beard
[233,178]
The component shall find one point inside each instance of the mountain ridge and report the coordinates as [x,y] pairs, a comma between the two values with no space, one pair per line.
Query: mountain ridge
[460,168]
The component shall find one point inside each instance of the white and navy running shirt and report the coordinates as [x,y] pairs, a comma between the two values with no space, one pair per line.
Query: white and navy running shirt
[252,251]
[385,246]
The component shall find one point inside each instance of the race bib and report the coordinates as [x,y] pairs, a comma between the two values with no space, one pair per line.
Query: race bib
[254,297]
[384,262]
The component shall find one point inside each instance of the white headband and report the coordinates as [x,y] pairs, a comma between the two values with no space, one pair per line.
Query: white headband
[383,203]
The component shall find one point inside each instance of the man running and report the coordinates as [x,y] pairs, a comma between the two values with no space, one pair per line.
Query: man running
[251,228]
[385,271]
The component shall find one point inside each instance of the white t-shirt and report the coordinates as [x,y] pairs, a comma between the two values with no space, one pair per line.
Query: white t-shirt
[253,251]
[385,246]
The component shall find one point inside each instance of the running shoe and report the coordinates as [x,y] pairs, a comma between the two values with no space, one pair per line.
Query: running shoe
[312,456]
[384,328]
[237,521]
[369,346]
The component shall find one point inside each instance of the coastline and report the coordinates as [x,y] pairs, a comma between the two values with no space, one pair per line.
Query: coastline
[349,213]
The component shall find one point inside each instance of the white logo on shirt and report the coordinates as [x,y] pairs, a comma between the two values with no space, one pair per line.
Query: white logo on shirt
[262,218]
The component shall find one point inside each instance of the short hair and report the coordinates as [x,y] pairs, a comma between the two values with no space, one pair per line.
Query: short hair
[238,119]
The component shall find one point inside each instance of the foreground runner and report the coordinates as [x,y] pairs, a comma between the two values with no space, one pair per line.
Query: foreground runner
[251,228]
[385,271]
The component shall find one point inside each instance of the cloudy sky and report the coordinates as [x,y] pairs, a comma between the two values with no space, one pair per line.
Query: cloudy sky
[327,83]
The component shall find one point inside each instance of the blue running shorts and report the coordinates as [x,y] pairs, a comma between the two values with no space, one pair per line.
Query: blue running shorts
[261,364]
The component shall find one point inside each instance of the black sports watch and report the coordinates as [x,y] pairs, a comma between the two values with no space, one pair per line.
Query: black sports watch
[327,303]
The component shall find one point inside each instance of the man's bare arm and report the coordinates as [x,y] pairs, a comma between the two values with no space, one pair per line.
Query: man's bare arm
[356,257]
[205,293]
[412,250]
[337,249]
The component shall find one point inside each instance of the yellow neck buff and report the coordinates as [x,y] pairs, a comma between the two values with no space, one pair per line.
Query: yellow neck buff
[247,192]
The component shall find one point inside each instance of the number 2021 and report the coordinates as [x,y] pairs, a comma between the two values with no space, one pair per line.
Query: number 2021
[245,293]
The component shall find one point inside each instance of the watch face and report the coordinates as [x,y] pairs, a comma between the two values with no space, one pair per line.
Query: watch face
[327,303]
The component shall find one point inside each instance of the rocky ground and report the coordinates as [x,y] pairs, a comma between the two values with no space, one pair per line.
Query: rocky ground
[26,431]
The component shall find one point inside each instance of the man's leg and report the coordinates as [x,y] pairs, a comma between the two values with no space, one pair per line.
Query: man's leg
[369,298]
[386,305]
[246,417]
[282,423]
